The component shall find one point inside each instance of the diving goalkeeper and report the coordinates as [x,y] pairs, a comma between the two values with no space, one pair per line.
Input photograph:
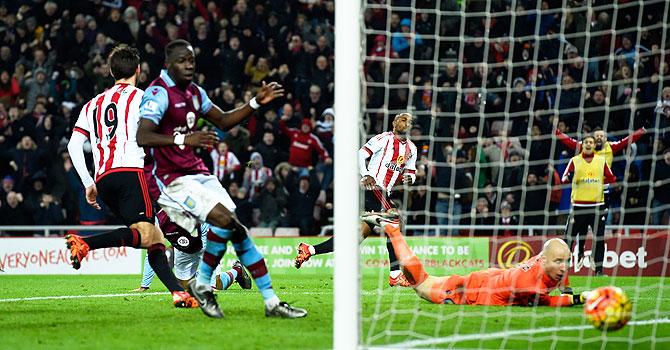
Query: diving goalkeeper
[527,284]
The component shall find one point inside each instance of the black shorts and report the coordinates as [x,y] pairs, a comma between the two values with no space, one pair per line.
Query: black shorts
[183,241]
[177,236]
[378,200]
[126,193]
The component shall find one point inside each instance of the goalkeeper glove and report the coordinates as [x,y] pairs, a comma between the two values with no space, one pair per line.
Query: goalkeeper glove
[566,290]
[579,299]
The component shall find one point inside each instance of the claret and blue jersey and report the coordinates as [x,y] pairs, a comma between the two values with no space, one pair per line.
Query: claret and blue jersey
[175,111]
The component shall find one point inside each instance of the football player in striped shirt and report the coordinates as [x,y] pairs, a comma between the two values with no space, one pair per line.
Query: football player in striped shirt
[392,161]
[109,121]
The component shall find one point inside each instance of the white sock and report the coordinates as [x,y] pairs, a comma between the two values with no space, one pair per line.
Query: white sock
[395,273]
[311,249]
[272,302]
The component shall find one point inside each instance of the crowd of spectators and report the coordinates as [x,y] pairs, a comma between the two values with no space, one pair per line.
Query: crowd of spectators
[486,105]
[53,60]
[490,88]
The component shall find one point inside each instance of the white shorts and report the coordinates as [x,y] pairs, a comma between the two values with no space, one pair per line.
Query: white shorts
[186,265]
[189,199]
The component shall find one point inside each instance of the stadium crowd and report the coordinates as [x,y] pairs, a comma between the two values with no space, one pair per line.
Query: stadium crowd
[486,167]
[490,89]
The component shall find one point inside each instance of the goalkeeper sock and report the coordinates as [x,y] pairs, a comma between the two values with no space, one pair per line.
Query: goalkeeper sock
[324,247]
[158,261]
[393,260]
[252,259]
[217,239]
[411,265]
[120,237]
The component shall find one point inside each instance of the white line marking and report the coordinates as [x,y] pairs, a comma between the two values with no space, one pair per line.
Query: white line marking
[58,297]
[504,334]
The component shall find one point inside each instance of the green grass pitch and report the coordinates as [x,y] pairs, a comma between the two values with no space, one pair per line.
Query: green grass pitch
[147,321]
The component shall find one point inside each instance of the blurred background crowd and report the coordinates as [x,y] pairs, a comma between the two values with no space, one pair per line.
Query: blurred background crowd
[488,90]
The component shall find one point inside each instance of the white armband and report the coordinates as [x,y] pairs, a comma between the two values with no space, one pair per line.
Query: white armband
[254,104]
[179,139]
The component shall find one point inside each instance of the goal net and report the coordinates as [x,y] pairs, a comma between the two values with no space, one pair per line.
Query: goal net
[501,92]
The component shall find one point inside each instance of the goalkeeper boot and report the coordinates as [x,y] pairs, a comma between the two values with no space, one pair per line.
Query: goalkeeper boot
[183,300]
[304,253]
[380,219]
[400,281]
[206,299]
[78,249]
[284,310]
[242,278]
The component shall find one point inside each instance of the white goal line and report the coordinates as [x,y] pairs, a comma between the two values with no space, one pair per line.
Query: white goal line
[138,294]
[504,334]
[84,296]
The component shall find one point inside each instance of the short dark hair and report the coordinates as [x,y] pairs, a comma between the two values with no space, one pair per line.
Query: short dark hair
[123,61]
[174,44]
[588,136]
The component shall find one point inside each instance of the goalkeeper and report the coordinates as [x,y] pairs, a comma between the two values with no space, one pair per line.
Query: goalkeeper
[527,284]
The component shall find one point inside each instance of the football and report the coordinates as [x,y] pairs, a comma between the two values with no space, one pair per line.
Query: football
[608,308]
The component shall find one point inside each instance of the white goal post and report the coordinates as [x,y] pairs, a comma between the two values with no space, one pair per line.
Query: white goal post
[346,306]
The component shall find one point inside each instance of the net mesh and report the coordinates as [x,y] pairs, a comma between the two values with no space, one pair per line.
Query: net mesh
[489,83]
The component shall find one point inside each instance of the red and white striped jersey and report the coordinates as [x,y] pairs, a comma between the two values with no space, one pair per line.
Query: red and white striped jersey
[390,158]
[110,122]
[224,163]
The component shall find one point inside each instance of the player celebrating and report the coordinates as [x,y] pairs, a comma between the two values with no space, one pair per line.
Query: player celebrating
[607,150]
[527,284]
[589,173]
[110,121]
[392,157]
[189,194]
[603,147]
[188,250]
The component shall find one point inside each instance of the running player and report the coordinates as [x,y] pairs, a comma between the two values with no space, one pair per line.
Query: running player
[189,194]
[527,284]
[392,158]
[109,121]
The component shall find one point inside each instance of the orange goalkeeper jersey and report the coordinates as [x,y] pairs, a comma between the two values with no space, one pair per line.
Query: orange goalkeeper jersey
[525,284]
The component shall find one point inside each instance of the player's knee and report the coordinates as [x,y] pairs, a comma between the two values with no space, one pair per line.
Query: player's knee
[220,217]
[149,233]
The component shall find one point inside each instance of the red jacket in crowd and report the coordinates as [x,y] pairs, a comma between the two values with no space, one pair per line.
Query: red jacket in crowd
[303,144]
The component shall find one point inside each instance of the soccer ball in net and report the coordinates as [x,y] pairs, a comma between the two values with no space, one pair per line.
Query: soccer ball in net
[608,308]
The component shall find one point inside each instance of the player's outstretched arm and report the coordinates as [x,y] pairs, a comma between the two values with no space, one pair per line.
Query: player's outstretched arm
[148,135]
[226,120]
[564,299]
[620,145]
[566,140]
